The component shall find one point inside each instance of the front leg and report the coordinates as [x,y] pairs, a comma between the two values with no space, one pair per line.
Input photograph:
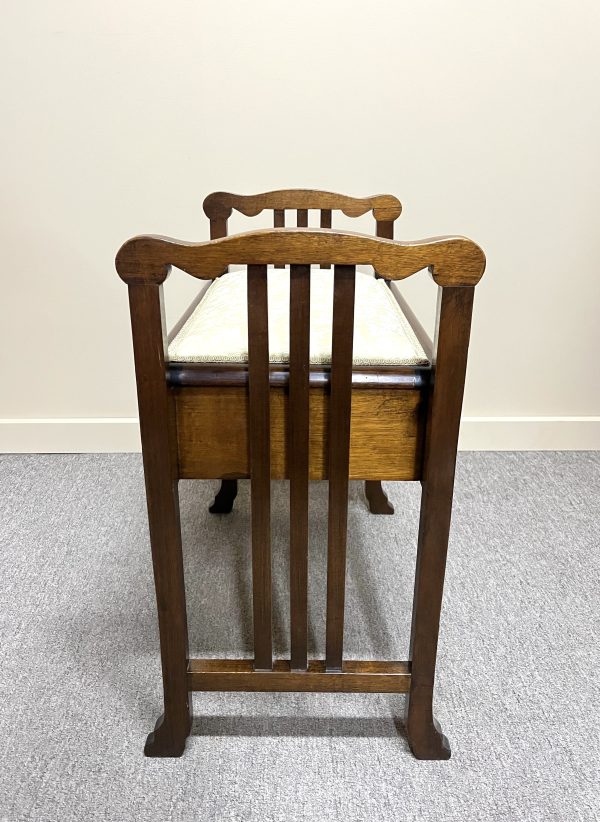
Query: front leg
[452,337]
[159,447]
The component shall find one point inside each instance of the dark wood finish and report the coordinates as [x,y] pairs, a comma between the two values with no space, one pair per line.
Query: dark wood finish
[377,498]
[355,677]
[347,423]
[451,345]
[325,223]
[453,261]
[220,204]
[385,228]
[218,228]
[386,433]
[325,218]
[159,448]
[224,499]
[230,375]
[260,463]
[339,459]
[298,415]
[279,222]
[223,502]
[386,209]
[225,496]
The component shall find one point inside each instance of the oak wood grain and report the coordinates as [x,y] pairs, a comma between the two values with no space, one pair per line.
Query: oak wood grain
[356,676]
[220,204]
[386,433]
[454,261]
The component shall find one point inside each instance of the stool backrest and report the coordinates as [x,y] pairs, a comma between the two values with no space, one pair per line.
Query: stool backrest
[456,264]
[219,205]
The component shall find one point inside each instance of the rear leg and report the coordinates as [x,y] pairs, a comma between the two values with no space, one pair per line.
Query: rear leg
[377,498]
[226,494]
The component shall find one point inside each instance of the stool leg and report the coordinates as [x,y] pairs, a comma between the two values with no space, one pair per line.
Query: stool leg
[424,734]
[173,727]
[159,451]
[377,498]
[451,343]
[223,503]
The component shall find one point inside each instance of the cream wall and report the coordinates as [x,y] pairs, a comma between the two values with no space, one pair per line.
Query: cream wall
[118,117]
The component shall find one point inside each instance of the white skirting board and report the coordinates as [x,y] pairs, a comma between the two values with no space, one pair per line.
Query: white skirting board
[121,434]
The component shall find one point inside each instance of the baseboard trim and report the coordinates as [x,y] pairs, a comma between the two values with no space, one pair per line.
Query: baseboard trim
[530,434]
[121,434]
[70,435]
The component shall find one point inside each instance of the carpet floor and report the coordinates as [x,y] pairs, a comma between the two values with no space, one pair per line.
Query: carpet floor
[518,674]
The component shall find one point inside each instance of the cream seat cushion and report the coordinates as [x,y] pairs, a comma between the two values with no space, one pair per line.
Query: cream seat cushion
[217,330]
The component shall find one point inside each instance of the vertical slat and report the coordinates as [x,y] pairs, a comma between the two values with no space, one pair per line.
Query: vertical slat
[378,501]
[325,218]
[218,229]
[302,218]
[227,492]
[339,458]
[298,459]
[385,229]
[325,223]
[260,463]
[279,222]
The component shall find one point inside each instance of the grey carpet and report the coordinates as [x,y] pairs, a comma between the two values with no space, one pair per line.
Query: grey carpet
[518,675]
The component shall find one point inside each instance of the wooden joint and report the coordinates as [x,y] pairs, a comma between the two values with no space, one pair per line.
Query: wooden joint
[137,262]
[216,206]
[389,212]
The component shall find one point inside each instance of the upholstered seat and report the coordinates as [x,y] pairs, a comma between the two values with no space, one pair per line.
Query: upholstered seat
[217,330]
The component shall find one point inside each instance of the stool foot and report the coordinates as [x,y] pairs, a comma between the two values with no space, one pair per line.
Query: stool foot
[377,498]
[167,738]
[424,734]
[226,494]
